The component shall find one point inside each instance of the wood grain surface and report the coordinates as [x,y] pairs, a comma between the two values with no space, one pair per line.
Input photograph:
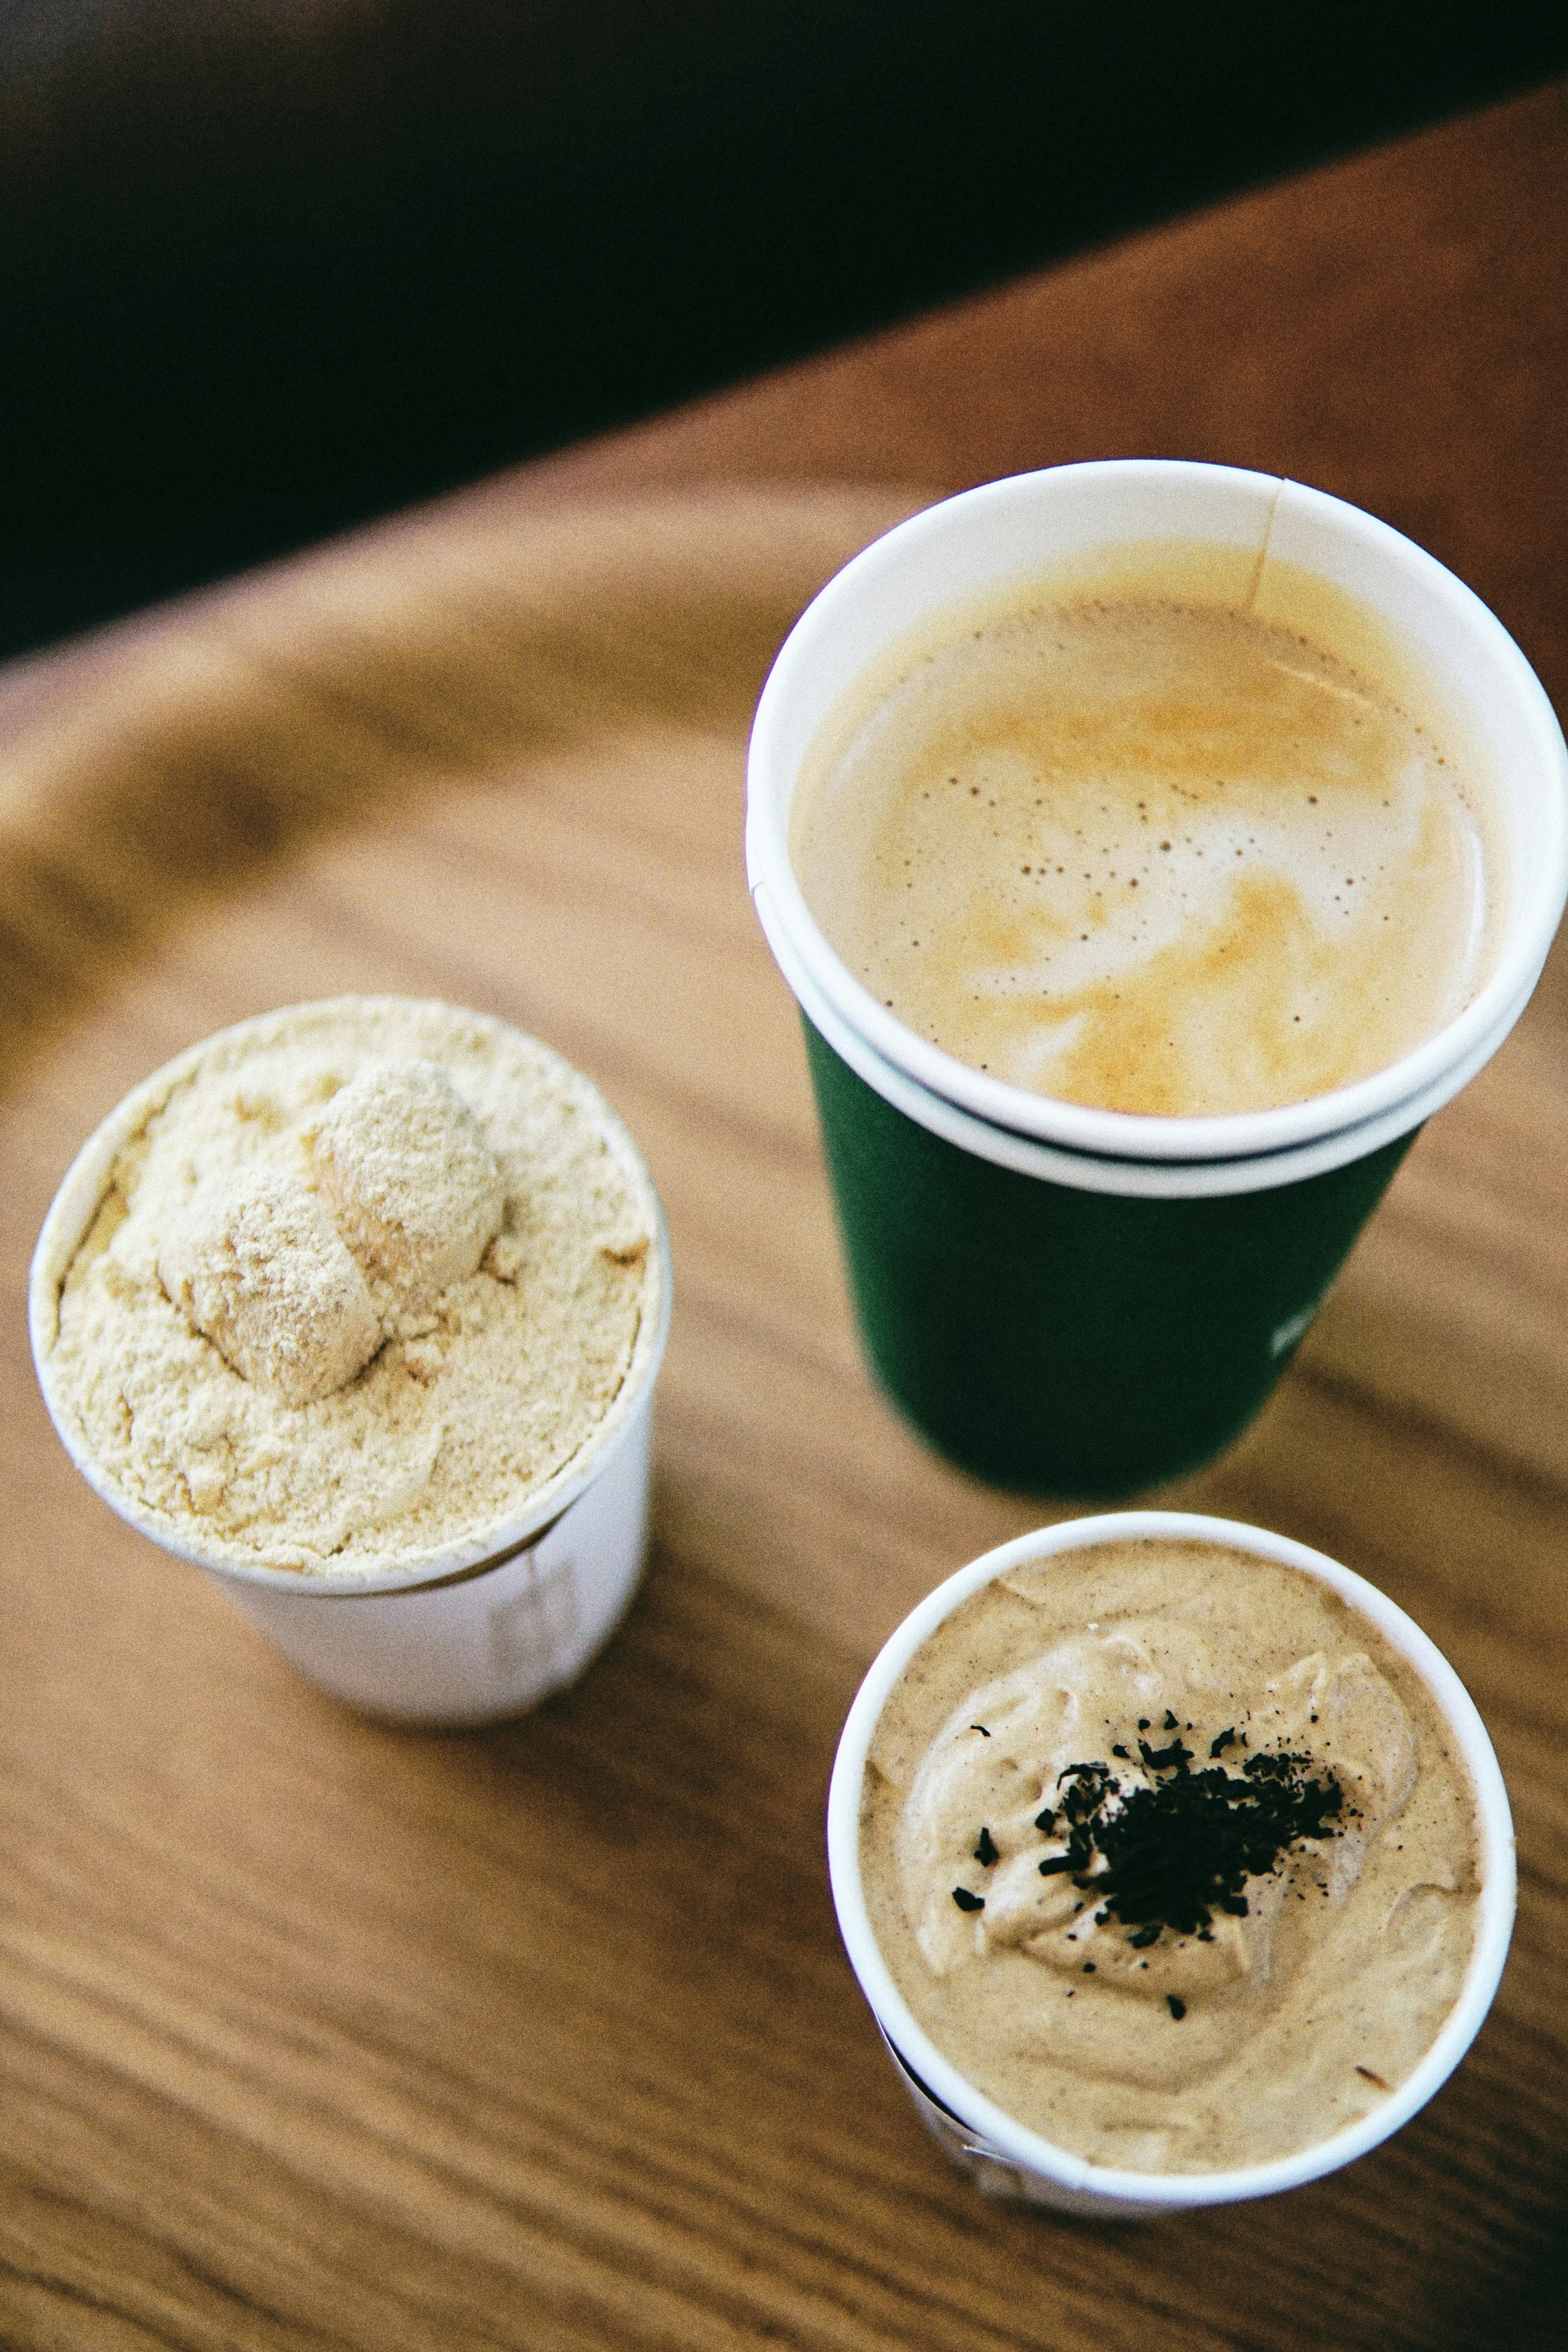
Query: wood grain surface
[316,2033]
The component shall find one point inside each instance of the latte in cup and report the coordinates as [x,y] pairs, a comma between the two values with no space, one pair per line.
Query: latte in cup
[1172,1852]
[1131,843]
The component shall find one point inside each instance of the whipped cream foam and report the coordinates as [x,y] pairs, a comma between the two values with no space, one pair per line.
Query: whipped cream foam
[1171,1854]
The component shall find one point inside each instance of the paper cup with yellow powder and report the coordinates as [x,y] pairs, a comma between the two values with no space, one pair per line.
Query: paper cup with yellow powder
[359,1306]
[1064,829]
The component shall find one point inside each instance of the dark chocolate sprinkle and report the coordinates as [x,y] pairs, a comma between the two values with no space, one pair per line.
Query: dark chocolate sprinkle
[1143,1723]
[1170,1720]
[1046,1821]
[1174,1853]
[1146,1936]
[967,1902]
[986,1851]
[1178,2009]
[1225,1740]
[979,1728]
[1089,1968]
[1122,1753]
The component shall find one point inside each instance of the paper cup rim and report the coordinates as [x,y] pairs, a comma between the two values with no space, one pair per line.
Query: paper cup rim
[76,1202]
[1539,886]
[1031,2150]
[1087,1172]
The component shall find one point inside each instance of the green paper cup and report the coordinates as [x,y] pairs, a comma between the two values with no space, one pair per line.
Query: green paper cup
[1076,1302]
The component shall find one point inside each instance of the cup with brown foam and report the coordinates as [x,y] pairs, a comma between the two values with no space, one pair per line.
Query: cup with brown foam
[1174,1860]
[359,1306]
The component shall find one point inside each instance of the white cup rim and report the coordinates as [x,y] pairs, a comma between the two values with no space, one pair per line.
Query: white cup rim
[1422,1079]
[1087,1172]
[74,1204]
[1030,2150]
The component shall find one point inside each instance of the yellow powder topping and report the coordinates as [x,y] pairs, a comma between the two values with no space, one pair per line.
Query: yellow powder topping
[260,1270]
[411,1186]
[364,1278]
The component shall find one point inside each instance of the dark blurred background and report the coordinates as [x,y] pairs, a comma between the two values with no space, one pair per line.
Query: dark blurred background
[272,267]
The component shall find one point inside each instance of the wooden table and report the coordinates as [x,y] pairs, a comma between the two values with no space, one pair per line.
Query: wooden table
[316,2033]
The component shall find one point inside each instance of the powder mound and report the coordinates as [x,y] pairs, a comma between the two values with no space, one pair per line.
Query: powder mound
[260,1269]
[402,1165]
[241,1357]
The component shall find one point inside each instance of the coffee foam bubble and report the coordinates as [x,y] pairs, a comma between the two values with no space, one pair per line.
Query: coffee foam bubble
[1150,854]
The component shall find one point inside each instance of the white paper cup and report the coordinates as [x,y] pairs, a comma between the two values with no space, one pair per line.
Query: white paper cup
[467,1632]
[1002,2155]
[493,1640]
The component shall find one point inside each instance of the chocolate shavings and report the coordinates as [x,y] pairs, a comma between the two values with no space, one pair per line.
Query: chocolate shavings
[1173,1854]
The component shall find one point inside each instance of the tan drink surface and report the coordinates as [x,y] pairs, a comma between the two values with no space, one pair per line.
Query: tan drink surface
[1139,2001]
[1148,855]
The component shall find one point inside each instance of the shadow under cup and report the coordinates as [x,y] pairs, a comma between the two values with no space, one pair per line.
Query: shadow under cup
[1077,1302]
